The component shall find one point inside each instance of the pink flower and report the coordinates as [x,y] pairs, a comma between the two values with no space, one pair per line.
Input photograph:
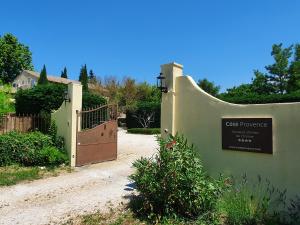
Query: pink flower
[171,144]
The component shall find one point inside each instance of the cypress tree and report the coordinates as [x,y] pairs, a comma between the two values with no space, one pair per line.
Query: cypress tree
[64,73]
[43,76]
[92,77]
[83,78]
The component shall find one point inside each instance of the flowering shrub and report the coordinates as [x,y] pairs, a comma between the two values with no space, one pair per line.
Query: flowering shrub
[174,182]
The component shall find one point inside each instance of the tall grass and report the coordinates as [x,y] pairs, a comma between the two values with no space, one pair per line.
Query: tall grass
[250,203]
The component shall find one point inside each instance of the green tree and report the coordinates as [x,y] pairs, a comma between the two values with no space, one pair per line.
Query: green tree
[294,70]
[64,73]
[92,77]
[241,90]
[128,93]
[90,100]
[282,77]
[279,71]
[155,94]
[147,93]
[83,78]
[43,76]
[209,87]
[14,57]
[260,84]
[112,85]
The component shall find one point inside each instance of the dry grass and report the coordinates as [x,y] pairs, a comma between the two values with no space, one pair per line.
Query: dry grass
[124,216]
[120,216]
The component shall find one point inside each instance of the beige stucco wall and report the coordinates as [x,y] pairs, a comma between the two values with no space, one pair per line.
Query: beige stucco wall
[198,116]
[65,119]
[172,71]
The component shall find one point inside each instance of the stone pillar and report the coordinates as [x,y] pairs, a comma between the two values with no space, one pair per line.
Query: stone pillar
[171,71]
[65,118]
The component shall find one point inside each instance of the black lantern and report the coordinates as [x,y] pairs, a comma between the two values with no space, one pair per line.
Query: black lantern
[66,96]
[161,83]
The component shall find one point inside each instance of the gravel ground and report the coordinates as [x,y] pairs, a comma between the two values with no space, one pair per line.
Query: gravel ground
[91,188]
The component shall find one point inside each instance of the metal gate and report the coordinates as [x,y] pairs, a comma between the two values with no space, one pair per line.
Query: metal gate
[96,135]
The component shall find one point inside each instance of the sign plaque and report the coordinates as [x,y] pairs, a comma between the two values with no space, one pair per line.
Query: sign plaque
[247,134]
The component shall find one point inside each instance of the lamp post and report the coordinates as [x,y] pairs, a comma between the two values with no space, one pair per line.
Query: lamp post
[161,83]
[66,96]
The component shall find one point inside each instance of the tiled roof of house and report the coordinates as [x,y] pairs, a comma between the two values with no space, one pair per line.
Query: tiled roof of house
[51,78]
[61,80]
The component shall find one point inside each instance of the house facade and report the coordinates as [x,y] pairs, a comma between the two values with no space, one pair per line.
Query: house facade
[24,81]
[28,79]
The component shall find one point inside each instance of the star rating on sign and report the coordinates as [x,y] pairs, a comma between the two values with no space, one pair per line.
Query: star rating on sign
[244,140]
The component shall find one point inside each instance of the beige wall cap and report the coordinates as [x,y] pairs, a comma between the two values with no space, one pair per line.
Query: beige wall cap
[174,64]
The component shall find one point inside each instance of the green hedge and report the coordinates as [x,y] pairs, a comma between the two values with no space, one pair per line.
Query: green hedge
[29,149]
[261,99]
[90,100]
[132,122]
[40,98]
[50,97]
[144,130]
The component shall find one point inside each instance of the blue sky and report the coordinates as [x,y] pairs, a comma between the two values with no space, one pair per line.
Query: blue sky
[217,39]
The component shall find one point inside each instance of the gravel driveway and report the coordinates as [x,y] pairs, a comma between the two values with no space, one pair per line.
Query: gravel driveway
[91,188]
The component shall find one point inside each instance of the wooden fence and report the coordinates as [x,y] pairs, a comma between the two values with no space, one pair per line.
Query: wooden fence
[24,123]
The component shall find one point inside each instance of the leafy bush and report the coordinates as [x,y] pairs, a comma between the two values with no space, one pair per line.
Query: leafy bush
[53,130]
[143,108]
[6,105]
[174,182]
[247,204]
[58,141]
[144,130]
[40,98]
[293,211]
[51,156]
[90,100]
[261,99]
[26,149]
